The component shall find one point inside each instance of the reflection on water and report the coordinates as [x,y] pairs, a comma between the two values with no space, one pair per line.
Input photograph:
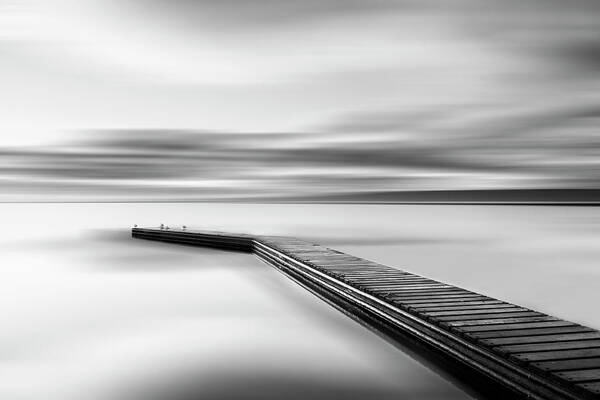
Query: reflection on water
[93,313]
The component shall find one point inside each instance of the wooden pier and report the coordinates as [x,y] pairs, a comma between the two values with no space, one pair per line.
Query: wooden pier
[524,352]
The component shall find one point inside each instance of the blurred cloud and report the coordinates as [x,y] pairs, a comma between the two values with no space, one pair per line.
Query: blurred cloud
[261,13]
[556,147]
[268,99]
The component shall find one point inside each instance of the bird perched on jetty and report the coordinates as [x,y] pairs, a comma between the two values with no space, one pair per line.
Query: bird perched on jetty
[135,225]
[162,226]
[184,227]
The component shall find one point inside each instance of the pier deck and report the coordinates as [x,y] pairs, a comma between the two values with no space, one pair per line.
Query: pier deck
[528,353]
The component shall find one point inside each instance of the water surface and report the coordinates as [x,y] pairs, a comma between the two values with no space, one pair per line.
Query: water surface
[90,313]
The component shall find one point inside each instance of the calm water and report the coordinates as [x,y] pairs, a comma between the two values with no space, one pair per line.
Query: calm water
[89,313]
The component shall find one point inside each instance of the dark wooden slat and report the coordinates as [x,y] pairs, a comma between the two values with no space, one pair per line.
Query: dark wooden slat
[443,293]
[308,251]
[345,263]
[563,365]
[348,265]
[487,316]
[320,256]
[528,332]
[383,279]
[351,275]
[423,288]
[558,355]
[386,280]
[395,280]
[567,337]
[593,387]
[407,285]
[383,275]
[407,298]
[580,376]
[412,295]
[380,270]
[523,348]
[345,267]
[495,322]
[465,307]
[441,302]
[500,310]
[408,288]
[341,262]
[392,277]
[475,303]
[450,296]
[515,326]
[401,284]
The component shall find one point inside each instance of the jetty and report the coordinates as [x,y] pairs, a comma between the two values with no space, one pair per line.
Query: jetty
[522,352]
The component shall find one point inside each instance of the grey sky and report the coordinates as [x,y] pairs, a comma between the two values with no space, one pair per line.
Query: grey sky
[464,88]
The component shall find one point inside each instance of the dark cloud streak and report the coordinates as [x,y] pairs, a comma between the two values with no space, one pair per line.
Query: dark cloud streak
[523,149]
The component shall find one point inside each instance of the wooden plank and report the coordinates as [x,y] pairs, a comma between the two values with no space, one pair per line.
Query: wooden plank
[519,325]
[384,277]
[306,251]
[528,332]
[563,365]
[387,275]
[487,316]
[335,261]
[428,305]
[436,302]
[407,288]
[382,271]
[593,387]
[465,307]
[524,348]
[354,271]
[341,261]
[429,294]
[567,337]
[500,310]
[399,283]
[580,375]
[399,298]
[557,355]
[495,322]
[346,269]
[404,284]
[394,280]
[451,295]
[347,264]
[378,275]
[326,255]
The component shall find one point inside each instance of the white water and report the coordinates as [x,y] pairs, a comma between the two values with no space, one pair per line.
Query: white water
[88,313]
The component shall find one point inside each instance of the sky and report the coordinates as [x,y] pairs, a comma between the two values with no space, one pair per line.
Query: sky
[226,99]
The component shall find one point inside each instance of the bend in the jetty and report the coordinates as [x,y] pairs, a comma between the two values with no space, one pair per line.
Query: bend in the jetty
[523,352]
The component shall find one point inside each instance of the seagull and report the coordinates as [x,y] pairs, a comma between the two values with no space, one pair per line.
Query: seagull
[162,226]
